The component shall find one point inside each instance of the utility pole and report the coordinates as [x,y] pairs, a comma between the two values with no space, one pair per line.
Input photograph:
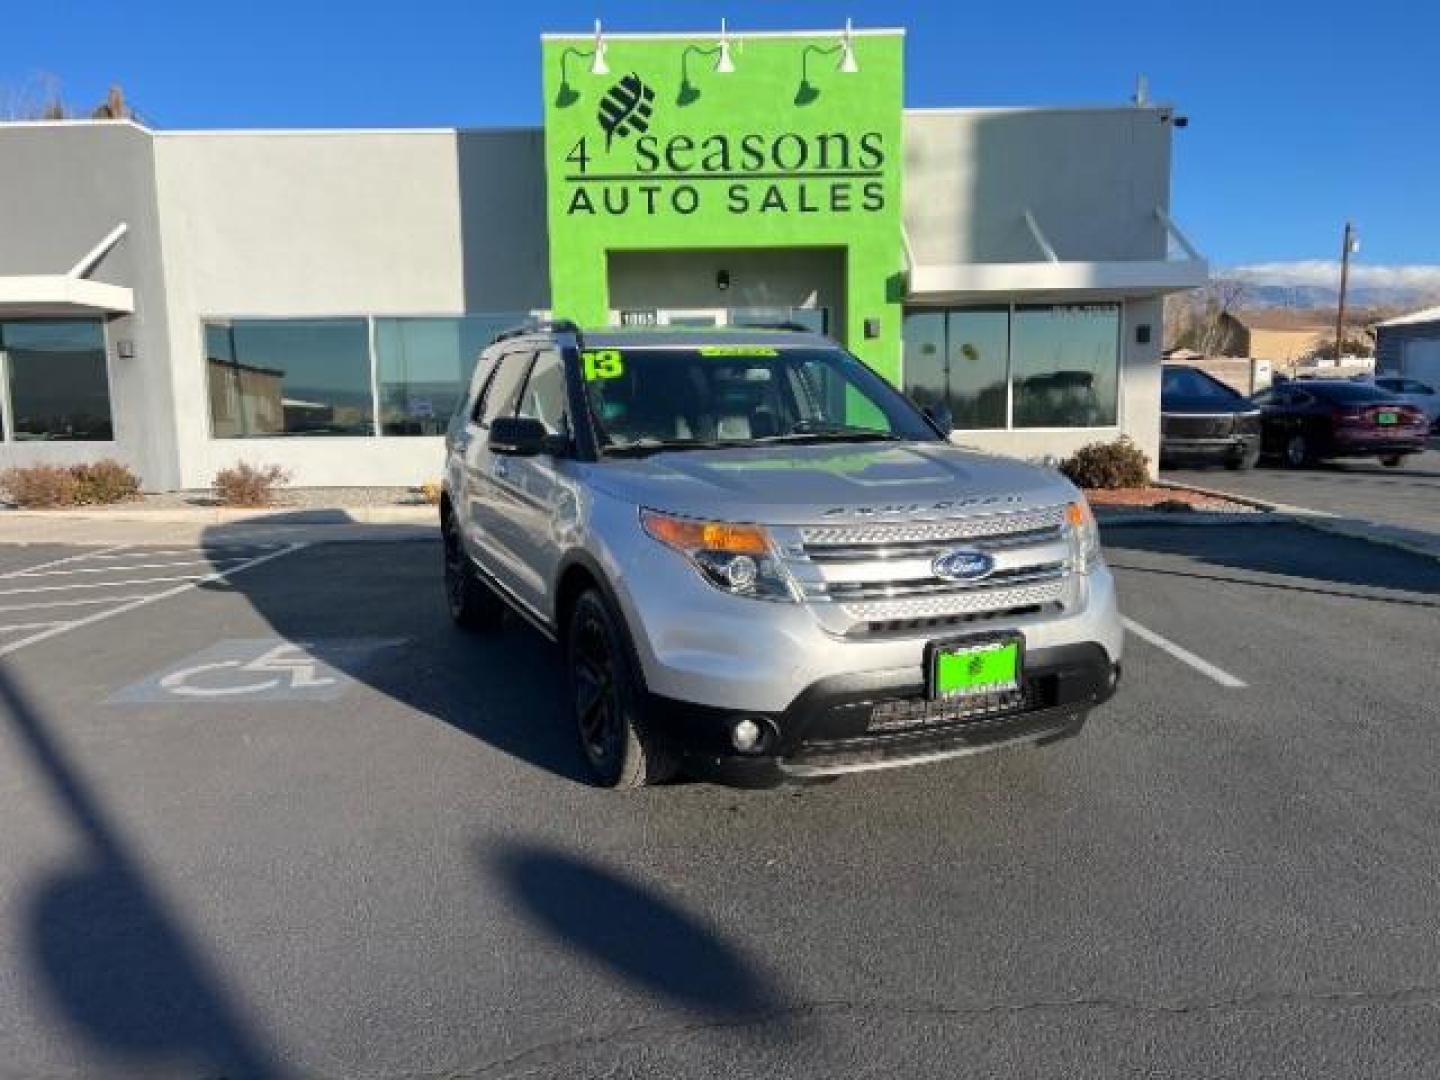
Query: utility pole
[1350,244]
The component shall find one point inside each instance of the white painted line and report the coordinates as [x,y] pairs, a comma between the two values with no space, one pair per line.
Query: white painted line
[69,603]
[110,613]
[26,626]
[241,550]
[102,584]
[1185,656]
[98,553]
[122,569]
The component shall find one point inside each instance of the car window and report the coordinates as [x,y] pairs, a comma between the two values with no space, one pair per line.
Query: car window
[545,397]
[1187,382]
[479,384]
[500,396]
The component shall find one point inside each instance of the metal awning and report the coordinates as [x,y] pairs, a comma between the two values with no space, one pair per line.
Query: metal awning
[1051,276]
[71,293]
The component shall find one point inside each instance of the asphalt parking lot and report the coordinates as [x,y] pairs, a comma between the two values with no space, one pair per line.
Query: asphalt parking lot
[266,813]
[1407,496]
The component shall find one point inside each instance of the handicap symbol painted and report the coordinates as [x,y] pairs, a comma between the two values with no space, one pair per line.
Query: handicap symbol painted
[261,669]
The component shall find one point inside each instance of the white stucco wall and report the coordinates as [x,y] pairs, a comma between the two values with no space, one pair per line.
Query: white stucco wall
[288,224]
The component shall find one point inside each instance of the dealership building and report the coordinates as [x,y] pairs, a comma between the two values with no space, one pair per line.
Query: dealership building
[183,300]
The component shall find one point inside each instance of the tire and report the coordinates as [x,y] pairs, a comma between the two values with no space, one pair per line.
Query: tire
[1391,461]
[1243,461]
[471,603]
[607,699]
[1297,452]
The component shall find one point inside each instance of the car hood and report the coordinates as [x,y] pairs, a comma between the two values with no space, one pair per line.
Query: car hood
[798,485]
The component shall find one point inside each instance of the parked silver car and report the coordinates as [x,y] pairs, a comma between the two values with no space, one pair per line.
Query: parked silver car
[763,562]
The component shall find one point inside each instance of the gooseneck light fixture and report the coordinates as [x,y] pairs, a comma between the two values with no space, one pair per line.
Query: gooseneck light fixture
[848,65]
[724,65]
[567,94]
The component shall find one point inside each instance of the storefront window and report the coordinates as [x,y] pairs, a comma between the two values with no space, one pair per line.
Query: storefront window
[424,366]
[1065,365]
[1059,363]
[289,377]
[958,358]
[59,388]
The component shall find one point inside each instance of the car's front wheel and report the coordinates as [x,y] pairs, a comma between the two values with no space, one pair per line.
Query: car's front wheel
[608,699]
[1297,452]
[1243,461]
[471,604]
[1391,461]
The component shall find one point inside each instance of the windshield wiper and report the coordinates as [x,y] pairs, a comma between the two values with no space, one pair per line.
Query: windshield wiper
[655,446]
[840,434]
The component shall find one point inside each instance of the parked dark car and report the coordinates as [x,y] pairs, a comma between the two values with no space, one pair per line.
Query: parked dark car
[1307,421]
[1203,421]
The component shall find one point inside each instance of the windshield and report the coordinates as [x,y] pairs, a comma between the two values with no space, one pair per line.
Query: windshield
[646,399]
[1187,382]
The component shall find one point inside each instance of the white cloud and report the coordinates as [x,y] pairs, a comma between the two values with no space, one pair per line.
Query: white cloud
[1326,273]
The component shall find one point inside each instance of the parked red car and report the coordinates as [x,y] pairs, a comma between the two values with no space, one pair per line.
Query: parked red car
[1307,421]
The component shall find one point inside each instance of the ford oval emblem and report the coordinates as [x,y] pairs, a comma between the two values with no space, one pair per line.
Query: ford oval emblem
[963,564]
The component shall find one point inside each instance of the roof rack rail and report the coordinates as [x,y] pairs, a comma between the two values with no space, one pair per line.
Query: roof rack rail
[784,324]
[538,326]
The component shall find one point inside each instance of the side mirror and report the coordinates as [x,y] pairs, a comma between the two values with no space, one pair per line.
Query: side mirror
[941,417]
[521,436]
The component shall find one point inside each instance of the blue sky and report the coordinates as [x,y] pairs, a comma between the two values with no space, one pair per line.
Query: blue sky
[1301,114]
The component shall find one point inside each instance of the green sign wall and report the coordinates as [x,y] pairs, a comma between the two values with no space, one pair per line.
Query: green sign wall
[665,152]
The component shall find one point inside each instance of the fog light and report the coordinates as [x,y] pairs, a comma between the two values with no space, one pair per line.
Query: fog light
[741,573]
[745,734]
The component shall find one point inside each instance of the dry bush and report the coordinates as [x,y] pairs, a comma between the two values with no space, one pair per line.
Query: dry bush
[430,491]
[1118,464]
[249,485]
[32,487]
[103,482]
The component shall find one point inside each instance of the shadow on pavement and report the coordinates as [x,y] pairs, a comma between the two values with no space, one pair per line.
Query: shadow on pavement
[114,960]
[504,688]
[643,938]
[1308,560]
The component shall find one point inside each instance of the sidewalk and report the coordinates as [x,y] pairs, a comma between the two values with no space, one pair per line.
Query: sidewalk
[1417,541]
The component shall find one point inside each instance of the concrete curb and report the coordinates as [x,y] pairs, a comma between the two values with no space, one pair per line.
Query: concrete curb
[1193,520]
[334,515]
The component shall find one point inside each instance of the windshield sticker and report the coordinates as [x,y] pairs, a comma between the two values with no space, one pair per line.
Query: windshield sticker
[603,364]
[738,350]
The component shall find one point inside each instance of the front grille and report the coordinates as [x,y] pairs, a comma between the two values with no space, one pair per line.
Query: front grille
[898,715]
[876,577]
[1181,426]
[938,623]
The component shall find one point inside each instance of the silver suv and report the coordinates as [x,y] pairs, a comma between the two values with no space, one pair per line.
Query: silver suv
[763,562]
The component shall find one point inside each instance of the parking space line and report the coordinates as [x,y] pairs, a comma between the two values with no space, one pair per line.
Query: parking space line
[1184,655]
[69,603]
[102,584]
[99,553]
[122,569]
[121,609]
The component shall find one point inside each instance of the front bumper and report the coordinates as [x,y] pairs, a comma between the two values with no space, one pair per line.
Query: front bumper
[859,722]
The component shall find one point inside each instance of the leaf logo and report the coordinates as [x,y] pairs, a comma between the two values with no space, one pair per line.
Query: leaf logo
[627,106]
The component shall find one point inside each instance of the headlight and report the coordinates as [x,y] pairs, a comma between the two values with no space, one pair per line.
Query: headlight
[1084,536]
[737,559]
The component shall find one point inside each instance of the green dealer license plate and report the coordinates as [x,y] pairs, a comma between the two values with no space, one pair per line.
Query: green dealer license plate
[966,669]
[1387,418]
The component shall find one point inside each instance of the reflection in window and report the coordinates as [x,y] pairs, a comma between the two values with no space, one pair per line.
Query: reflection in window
[58,384]
[1065,365]
[424,366]
[289,377]
[958,358]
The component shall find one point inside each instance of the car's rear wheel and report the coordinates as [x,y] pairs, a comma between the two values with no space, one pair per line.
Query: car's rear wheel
[471,604]
[1391,461]
[1297,452]
[608,699]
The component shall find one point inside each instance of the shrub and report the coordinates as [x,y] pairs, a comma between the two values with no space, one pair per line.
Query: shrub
[1118,464]
[104,482]
[430,491]
[40,486]
[249,485]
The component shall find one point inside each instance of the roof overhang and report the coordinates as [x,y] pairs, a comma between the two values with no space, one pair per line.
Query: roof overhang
[1076,280]
[62,294]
